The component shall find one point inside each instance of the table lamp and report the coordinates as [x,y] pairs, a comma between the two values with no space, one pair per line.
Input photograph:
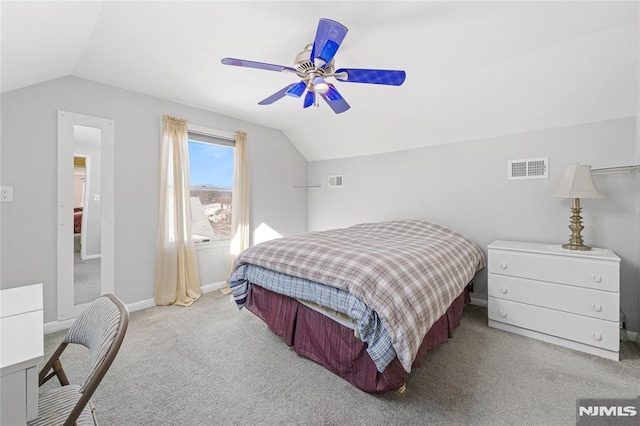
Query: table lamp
[576,183]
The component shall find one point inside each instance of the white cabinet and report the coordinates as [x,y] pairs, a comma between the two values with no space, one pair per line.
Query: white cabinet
[21,349]
[570,298]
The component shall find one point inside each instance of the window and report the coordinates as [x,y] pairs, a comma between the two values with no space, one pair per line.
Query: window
[211,162]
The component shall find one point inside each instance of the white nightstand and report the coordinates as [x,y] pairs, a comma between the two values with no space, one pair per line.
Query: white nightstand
[21,349]
[560,296]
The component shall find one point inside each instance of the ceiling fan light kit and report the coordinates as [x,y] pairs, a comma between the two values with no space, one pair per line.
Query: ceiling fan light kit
[315,64]
[320,85]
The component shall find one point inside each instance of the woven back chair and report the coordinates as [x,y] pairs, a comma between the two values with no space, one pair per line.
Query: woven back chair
[101,329]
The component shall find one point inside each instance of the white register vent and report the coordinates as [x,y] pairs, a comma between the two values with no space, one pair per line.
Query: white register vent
[335,181]
[531,168]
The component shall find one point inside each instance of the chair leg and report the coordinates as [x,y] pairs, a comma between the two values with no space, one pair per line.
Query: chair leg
[62,377]
[45,374]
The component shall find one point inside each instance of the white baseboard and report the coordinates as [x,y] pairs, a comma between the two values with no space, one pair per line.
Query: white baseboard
[91,257]
[477,301]
[213,287]
[633,336]
[143,304]
[52,327]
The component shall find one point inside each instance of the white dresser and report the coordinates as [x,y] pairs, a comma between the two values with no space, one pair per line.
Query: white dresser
[560,296]
[21,349]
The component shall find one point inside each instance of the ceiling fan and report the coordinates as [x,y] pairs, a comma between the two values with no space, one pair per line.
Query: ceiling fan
[315,64]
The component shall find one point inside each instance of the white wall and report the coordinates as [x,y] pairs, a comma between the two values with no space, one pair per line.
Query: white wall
[638,196]
[464,186]
[638,193]
[28,146]
[92,211]
[213,262]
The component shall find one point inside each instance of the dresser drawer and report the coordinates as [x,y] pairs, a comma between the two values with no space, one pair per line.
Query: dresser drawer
[597,274]
[590,331]
[584,301]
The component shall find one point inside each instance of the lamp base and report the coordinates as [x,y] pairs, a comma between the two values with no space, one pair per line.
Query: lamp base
[575,242]
[576,247]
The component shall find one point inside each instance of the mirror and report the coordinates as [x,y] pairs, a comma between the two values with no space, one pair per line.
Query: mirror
[85,211]
[86,214]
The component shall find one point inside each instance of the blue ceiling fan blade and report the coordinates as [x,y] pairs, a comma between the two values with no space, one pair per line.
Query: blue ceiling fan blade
[296,90]
[276,96]
[335,100]
[355,75]
[328,51]
[309,99]
[327,30]
[332,94]
[257,65]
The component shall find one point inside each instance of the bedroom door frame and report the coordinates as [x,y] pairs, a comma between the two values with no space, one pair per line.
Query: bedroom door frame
[85,202]
[67,309]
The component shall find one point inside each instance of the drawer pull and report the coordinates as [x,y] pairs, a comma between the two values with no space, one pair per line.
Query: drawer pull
[596,278]
[503,290]
[503,265]
[503,313]
[596,336]
[596,307]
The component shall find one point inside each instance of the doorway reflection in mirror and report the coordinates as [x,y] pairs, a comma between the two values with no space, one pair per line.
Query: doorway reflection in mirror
[86,214]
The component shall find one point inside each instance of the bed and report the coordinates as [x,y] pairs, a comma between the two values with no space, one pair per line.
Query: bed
[77,220]
[366,302]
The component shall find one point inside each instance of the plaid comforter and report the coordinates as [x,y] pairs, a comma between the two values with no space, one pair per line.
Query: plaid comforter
[408,272]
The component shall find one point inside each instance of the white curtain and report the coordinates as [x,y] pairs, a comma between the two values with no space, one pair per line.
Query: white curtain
[240,201]
[176,278]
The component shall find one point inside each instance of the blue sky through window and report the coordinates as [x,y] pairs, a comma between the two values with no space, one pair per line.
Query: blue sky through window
[211,165]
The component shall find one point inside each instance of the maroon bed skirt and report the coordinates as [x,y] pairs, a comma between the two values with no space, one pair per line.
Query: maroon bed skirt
[335,347]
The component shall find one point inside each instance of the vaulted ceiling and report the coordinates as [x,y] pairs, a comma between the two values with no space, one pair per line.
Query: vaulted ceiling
[474,69]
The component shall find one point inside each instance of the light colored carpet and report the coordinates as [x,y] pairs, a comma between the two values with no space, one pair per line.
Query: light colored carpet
[86,276]
[210,364]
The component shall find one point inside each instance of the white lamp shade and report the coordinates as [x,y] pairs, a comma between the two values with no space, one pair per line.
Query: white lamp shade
[577,182]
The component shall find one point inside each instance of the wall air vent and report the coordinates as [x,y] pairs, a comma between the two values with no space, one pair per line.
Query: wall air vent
[335,181]
[531,168]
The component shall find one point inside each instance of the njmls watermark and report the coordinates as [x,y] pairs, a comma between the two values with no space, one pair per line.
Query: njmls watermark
[592,411]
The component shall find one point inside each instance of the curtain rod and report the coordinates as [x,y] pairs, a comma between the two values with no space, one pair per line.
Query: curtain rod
[618,169]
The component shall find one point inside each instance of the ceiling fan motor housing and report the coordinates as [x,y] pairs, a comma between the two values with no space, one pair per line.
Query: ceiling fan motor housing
[306,68]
